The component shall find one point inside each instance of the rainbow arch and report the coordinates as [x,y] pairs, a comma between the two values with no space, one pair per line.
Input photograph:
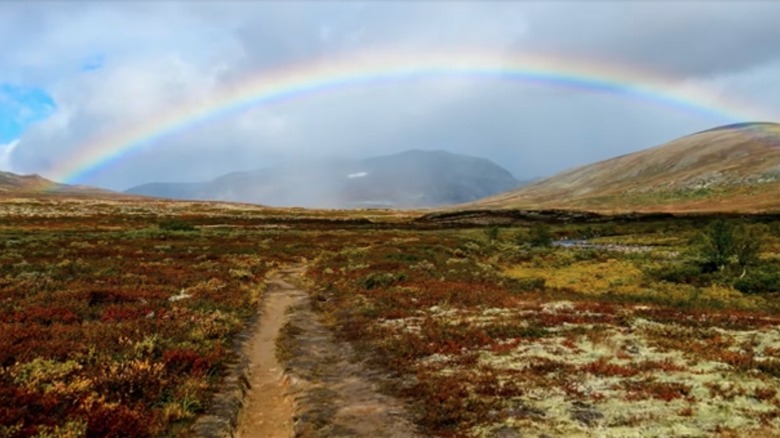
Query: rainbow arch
[296,81]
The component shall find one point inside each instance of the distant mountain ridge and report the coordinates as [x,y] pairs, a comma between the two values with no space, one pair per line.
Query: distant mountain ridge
[727,168]
[410,179]
[14,184]
[11,182]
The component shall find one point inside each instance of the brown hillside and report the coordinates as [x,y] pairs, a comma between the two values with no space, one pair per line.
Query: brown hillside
[13,185]
[10,182]
[730,168]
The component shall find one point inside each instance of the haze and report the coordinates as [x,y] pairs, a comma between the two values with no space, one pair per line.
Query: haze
[71,71]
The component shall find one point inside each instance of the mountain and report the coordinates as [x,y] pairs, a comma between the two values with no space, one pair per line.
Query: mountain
[410,179]
[12,184]
[728,168]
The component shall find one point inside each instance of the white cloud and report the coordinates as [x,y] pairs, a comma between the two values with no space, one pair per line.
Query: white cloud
[5,155]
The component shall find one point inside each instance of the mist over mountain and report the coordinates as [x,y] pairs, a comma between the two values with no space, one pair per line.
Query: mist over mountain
[410,179]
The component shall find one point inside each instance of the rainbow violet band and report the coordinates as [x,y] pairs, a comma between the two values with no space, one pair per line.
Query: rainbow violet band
[325,76]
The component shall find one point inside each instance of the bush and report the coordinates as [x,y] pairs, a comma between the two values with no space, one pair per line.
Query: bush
[540,235]
[403,257]
[678,273]
[723,244]
[176,225]
[748,240]
[585,254]
[529,284]
[491,233]
[715,246]
[720,253]
[759,281]
[774,228]
[381,279]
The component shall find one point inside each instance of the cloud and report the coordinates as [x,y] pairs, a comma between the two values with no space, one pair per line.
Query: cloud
[675,38]
[115,65]
[5,155]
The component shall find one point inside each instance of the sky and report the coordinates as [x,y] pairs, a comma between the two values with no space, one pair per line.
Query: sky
[72,72]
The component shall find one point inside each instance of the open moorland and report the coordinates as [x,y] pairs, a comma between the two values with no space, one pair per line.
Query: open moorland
[727,168]
[118,317]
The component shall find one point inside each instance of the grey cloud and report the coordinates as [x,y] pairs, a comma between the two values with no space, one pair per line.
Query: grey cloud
[162,55]
[677,38]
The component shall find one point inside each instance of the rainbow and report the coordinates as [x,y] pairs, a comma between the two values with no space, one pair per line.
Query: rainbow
[303,80]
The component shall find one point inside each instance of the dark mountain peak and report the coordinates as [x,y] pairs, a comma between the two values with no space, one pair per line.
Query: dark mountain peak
[408,179]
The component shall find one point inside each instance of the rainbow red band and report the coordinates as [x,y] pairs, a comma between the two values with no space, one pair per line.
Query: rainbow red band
[299,81]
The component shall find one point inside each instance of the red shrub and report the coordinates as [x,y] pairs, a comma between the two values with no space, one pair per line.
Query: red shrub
[44,315]
[187,361]
[603,367]
[118,313]
[104,420]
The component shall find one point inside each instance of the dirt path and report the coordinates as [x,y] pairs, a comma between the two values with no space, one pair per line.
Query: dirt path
[323,391]
[269,411]
[335,394]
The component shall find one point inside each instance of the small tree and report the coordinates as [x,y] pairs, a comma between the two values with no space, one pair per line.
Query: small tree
[723,243]
[716,245]
[540,235]
[748,240]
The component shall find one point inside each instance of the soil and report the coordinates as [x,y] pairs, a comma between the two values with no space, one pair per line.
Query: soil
[268,411]
[323,389]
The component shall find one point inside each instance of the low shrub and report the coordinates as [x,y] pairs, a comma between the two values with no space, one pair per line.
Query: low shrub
[176,225]
[381,279]
[677,273]
[540,235]
[491,234]
[403,257]
[529,284]
[762,280]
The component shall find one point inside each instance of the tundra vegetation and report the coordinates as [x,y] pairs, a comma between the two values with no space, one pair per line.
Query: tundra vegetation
[117,318]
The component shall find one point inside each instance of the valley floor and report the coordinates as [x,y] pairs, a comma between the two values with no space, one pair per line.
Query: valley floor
[123,318]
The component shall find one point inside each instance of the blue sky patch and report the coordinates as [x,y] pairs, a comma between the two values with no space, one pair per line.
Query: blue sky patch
[21,106]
